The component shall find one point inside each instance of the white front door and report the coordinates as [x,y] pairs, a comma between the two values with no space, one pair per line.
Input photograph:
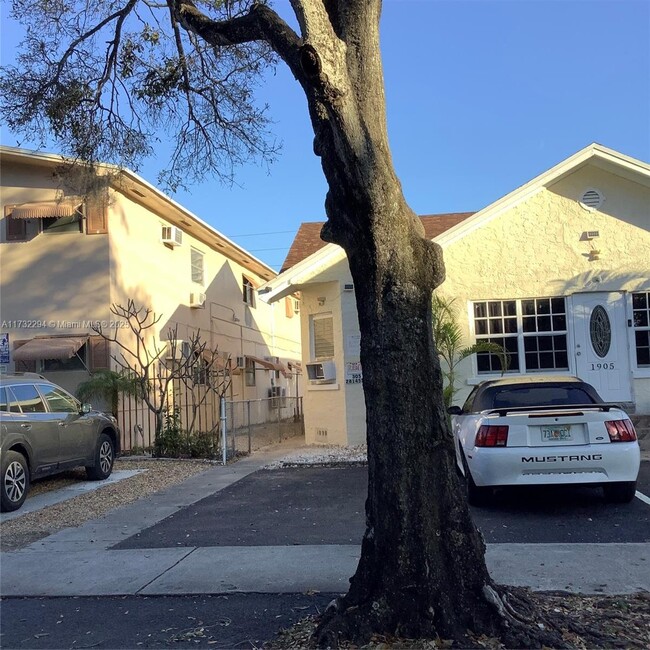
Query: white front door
[601,347]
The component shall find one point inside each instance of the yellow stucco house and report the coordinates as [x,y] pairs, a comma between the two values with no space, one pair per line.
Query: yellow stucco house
[67,256]
[557,272]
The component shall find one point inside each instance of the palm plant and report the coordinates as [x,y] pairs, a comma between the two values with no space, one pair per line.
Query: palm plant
[108,385]
[449,338]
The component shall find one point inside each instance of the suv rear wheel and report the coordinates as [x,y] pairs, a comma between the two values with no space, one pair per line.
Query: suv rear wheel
[104,458]
[15,481]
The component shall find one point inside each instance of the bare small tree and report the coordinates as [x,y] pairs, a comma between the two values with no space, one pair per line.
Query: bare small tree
[209,376]
[156,366]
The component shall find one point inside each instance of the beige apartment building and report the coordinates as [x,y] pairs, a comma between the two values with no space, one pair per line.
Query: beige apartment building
[557,272]
[68,254]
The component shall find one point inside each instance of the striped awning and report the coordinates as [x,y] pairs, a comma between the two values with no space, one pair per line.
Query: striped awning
[49,348]
[66,207]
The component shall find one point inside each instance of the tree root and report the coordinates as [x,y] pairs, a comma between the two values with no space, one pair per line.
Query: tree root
[522,619]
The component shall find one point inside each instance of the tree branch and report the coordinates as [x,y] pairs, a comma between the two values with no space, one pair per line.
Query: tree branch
[260,24]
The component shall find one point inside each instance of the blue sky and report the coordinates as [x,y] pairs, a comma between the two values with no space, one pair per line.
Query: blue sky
[481,97]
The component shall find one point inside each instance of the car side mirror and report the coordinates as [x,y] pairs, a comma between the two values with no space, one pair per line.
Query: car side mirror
[85,408]
[454,410]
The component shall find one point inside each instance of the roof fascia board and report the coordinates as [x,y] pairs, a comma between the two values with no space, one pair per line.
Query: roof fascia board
[569,165]
[300,274]
[256,265]
[184,213]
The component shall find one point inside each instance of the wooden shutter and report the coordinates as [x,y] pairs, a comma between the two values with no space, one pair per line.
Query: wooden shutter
[15,229]
[288,306]
[23,366]
[97,212]
[99,356]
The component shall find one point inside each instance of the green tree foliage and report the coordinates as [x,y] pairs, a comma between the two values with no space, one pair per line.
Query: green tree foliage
[108,385]
[106,77]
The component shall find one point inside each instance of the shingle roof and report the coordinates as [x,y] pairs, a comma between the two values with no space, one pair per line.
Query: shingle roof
[308,241]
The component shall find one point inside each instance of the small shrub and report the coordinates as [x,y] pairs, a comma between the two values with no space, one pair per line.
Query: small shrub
[170,441]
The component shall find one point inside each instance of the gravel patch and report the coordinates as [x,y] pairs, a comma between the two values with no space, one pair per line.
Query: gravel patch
[158,475]
[317,455]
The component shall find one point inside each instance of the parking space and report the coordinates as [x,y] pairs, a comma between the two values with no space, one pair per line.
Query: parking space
[319,506]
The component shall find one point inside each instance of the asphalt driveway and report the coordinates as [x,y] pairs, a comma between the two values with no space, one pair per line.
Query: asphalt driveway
[325,506]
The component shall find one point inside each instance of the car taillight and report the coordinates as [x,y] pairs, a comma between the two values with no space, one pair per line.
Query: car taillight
[492,436]
[620,431]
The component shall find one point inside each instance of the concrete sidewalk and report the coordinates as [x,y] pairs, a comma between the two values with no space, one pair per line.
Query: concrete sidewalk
[82,562]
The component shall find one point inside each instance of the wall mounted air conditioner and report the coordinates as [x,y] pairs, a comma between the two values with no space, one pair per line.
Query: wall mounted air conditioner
[321,372]
[197,300]
[278,395]
[172,236]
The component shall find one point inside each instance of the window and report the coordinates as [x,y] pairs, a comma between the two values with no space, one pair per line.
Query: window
[76,362]
[641,324]
[58,401]
[4,403]
[28,398]
[249,372]
[322,330]
[248,291]
[197,263]
[532,331]
[55,225]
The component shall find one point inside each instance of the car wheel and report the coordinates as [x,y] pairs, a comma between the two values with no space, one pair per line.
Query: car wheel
[15,481]
[476,495]
[620,492]
[104,458]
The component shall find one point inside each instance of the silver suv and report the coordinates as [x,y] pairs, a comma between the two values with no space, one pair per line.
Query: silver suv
[45,430]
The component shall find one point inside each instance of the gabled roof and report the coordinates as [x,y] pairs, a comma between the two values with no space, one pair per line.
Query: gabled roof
[308,241]
[302,272]
[139,190]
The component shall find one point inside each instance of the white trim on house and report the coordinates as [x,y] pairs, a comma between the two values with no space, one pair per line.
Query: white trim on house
[625,166]
[300,274]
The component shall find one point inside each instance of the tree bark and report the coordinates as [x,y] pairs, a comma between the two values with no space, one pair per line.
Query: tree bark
[422,571]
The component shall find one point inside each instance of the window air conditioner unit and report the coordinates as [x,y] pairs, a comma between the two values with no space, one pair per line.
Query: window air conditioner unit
[172,236]
[278,396]
[197,300]
[322,372]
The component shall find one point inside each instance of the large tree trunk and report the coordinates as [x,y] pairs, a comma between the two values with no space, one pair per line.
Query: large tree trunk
[422,570]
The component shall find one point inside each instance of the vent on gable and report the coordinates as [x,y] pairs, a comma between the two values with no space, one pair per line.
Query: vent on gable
[591,199]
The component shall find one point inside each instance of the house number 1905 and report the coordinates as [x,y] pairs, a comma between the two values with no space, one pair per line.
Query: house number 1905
[602,366]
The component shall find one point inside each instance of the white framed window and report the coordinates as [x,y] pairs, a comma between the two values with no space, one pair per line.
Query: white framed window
[533,331]
[248,291]
[197,262]
[322,336]
[641,325]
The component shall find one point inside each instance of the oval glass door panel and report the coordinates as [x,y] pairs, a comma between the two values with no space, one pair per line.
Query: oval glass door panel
[600,330]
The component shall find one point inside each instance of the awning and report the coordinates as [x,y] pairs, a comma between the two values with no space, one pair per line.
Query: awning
[49,348]
[269,365]
[295,367]
[66,207]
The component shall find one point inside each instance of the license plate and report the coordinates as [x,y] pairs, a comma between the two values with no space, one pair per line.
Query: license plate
[556,433]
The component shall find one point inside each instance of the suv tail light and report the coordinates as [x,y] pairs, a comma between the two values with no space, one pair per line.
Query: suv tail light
[492,436]
[620,431]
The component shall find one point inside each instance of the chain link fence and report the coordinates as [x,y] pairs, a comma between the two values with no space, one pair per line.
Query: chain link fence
[257,423]
[244,425]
